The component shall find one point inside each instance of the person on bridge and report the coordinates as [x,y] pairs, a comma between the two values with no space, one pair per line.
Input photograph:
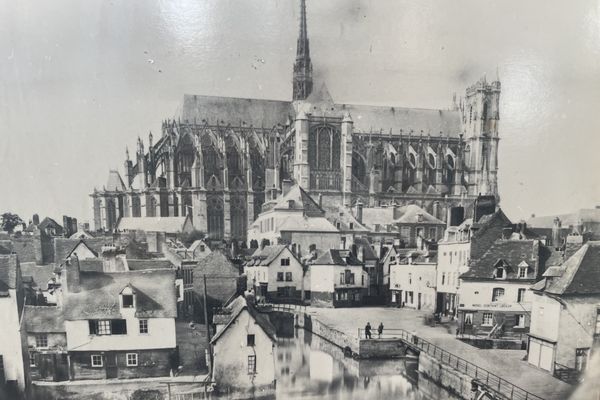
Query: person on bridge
[368,331]
[380,329]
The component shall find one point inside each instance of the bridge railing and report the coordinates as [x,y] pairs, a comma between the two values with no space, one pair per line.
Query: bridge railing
[292,308]
[483,376]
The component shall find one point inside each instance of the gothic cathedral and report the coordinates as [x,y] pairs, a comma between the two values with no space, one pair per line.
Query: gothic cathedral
[223,157]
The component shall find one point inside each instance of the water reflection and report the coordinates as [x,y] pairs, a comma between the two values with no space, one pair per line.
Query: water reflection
[308,366]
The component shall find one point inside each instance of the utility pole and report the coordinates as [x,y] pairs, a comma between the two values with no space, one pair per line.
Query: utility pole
[208,349]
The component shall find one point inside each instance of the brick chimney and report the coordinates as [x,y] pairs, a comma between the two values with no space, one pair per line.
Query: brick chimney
[359,212]
[72,274]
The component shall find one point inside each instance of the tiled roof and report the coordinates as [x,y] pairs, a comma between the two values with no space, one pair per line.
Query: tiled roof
[152,224]
[9,271]
[235,308]
[337,257]
[216,263]
[297,199]
[40,274]
[266,255]
[344,217]
[579,275]
[99,295]
[509,254]
[46,319]
[378,216]
[152,263]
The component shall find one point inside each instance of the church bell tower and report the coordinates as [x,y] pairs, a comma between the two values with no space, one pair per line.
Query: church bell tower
[303,66]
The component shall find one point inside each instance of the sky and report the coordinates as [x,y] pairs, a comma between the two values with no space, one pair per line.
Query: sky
[81,80]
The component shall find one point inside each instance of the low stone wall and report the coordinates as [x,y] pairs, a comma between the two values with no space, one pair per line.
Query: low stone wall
[333,335]
[455,382]
[381,348]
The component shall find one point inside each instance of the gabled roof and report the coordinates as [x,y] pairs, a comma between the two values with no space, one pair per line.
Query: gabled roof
[337,257]
[49,222]
[99,295]
[44,319]
[235,308]
[63,247]
[579,275]
[152,224]
[217,263]
[114,182]
[344,217]
[9,271]
[297,199]
[85,244]
[196,244]
[410,215]
[267,255]
[510,253]
[368,253]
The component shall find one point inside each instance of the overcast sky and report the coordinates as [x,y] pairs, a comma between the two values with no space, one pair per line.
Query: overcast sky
[80,80]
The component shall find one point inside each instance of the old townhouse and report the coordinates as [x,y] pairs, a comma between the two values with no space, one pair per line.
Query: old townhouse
[338,279]
[464,240]
[404,222]
[47,343]
[565,315]
[366,253]
[493,295]
[277,274]
[294,218]
[243,348]
[14,371]
[118,324]
[412,280]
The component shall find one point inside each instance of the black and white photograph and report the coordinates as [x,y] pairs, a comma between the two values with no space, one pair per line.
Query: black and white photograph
[299,199]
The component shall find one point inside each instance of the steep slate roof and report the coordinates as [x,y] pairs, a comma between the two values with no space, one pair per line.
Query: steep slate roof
[344,217]
[40,274]
[410,215]
[152,224]
[99,295]
[378,216]
[44,319]
[9,270]
[224,110]
[216,263]
[115,182]
[337,257]
[235,308]
[579,275]
[510,253]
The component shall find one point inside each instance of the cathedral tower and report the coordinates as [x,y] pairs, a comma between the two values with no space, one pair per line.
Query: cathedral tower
[303,66]
[481,114]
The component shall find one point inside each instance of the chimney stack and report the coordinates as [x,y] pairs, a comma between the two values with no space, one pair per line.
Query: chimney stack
[36,219]
[359,211]
[73,274]
[556,236]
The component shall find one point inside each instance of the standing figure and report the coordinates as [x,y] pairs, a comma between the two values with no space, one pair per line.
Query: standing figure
[368,331]
[380,329]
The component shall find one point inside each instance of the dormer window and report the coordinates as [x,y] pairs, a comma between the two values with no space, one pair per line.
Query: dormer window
[499,273]
[523,267]
[128,297]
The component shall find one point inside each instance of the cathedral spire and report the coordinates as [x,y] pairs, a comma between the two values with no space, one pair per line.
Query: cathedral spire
[303,65]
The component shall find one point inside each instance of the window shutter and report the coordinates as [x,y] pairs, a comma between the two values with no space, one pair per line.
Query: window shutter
[118,326]
[93,327]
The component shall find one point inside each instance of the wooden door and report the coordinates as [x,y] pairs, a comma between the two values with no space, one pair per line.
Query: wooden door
[112,370]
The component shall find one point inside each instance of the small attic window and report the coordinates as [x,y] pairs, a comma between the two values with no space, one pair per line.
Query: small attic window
[499,273]
[128,297]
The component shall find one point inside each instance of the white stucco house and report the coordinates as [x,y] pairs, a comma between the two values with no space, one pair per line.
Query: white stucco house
[243,348]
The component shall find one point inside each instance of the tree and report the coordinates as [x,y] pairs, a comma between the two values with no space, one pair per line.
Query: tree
[8,221]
